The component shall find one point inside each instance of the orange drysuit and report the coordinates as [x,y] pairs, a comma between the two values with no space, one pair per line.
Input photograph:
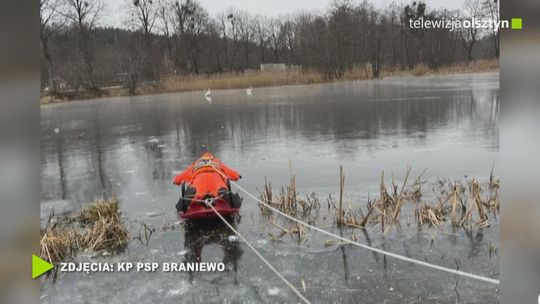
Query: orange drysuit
[207,175]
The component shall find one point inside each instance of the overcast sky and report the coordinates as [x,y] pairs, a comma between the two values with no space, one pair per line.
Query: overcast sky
[112,16]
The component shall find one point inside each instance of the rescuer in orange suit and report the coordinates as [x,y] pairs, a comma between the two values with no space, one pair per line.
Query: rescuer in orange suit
[206,177]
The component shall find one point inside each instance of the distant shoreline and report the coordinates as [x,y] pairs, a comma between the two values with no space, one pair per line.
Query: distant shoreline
[194,83]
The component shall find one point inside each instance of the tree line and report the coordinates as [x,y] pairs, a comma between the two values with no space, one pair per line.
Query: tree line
[161,38]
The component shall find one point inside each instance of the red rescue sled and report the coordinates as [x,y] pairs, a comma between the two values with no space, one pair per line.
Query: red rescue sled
[198,210]
[205,183]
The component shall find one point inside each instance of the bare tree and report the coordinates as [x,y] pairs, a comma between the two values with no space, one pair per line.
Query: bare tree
[274,40]
[230,33]
[84,15]
[392,28]
[314,44]
[376,42]
[166,28]
[415,49]
[49,25]
[288,34]
[492,8]
[260,31]
[361,35]
[196,30]
[192,22]
[142,17]
[340,24]
[348,35]
[472,9]
[246,33]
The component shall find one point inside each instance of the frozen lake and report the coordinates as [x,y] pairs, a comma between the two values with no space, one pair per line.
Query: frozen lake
[131,148]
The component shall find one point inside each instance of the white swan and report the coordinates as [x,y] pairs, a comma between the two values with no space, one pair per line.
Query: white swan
[208,96]
[249,92]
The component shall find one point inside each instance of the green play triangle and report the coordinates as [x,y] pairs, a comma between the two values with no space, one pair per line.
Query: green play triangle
[39,266]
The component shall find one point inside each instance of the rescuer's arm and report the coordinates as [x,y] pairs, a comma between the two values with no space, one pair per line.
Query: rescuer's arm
[184,176]
[231,174]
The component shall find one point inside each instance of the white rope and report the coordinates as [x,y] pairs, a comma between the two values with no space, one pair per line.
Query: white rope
[205,201]
[291,286]
[390,254]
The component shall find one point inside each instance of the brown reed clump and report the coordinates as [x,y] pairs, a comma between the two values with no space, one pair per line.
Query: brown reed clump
[421,69]
[107,232]
[431,215]
[386,209]
[350,217]
[267,197]
[101,228]
[340,216]
[492,202]
[463,204]
[59,244]
[344,216]
[106,228]
[101,207]
[475,66]
[288,201]
[476,203]
[468,204]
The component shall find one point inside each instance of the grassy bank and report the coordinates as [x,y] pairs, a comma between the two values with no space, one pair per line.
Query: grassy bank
[265,79]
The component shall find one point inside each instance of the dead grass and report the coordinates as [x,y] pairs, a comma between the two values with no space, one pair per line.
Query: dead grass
[287,200]
[97,227]
[475,66]
[466,204]
[242,80]
[421,69]
[348,216]
[463,203]
[344,216]
[59,244]
[429,214]
[100,208]
[236,80]
[108,233]
[385,210]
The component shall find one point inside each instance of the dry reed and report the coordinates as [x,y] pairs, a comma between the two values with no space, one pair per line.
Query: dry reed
[101,228]
[107,208]
[462,203]
[287,200]
[59,244]
[239,80]
[107,233]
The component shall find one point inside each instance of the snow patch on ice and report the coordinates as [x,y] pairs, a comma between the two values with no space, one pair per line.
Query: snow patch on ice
[273,291]
[175,292]
[154,214]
